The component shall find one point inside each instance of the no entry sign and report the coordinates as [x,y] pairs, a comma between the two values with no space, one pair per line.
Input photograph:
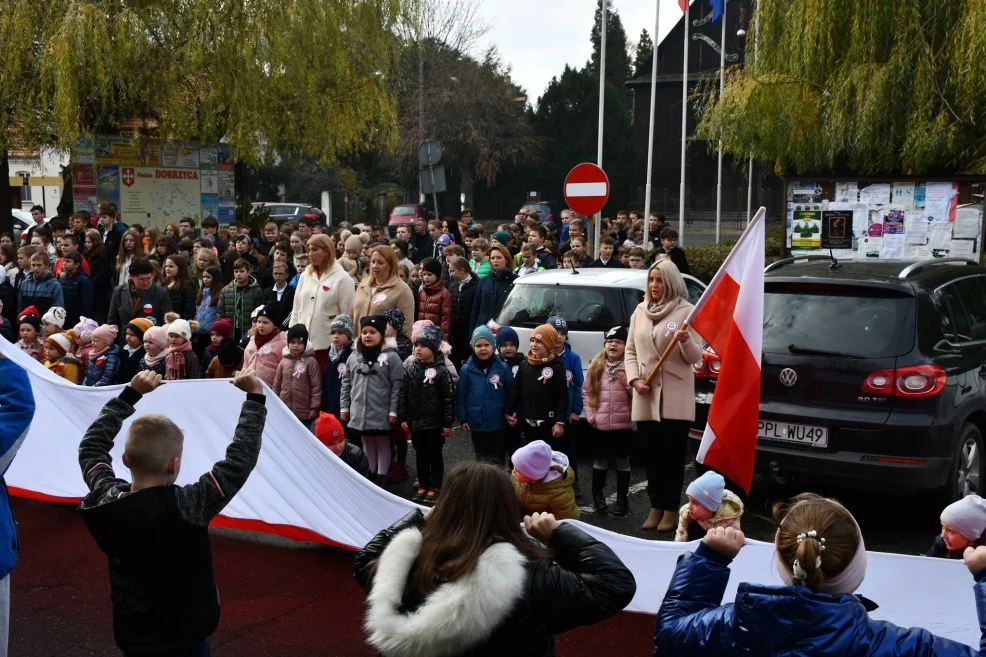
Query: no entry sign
[586,188]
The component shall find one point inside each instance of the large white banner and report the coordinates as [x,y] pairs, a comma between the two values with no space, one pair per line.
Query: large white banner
[301,490]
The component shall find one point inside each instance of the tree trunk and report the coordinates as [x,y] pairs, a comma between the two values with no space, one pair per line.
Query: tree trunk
[466,184]
[6,219]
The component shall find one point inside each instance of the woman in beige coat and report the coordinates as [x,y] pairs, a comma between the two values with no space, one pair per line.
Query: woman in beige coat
[664,410]
[382,289]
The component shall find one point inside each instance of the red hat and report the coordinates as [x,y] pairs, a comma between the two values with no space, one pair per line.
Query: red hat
[223,327]
[328,429]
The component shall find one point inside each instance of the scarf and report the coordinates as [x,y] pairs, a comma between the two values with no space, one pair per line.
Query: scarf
[370,354]
[135,295]
[334,351]
[93,355]
[261,340]
[656,311]
[613,365]
[152,361]
[175,361]
[483,364]
[534,360]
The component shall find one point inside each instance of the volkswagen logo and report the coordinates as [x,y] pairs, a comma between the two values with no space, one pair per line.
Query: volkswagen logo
[788,377]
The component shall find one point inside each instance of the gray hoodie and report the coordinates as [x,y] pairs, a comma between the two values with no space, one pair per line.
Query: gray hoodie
[367,387]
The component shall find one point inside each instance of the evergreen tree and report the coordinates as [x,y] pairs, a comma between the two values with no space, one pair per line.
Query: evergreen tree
[645,54]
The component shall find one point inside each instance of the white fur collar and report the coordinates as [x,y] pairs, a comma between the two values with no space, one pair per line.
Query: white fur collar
[457,616]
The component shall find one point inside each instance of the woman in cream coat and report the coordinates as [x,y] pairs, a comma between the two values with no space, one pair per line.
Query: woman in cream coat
[664,410]
[324,291]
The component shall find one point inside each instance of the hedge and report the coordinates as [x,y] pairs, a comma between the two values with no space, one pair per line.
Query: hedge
[705,260]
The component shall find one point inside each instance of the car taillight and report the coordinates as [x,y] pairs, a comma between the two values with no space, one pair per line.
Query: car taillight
[915,382]
[709,367]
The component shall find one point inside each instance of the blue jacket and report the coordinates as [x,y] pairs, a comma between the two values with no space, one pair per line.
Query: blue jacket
[101,370]
[206,313]
[332,380]
[775,620]
[16,413]
[42,293]
[489,292]
[575,378]
[481,398]
[77,296]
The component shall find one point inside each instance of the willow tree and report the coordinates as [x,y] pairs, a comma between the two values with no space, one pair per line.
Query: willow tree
[873,87]
[269,77]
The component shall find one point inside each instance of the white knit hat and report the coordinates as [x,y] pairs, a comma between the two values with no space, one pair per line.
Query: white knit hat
[967,516]
[62,341]
[56,316]
[180,327]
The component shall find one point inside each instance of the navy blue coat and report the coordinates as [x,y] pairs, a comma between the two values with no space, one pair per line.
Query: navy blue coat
[332,380]
[101,370]
[16,414]
[488,294]
[776,620]
[480,401]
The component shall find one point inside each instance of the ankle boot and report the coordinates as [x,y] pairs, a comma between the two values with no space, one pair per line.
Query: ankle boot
[598,497]
[668,522]
[653,518]
[622,494]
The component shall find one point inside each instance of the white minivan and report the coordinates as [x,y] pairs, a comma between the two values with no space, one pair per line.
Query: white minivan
[591,300]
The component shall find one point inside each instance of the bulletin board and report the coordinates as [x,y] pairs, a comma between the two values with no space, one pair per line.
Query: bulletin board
[877,219]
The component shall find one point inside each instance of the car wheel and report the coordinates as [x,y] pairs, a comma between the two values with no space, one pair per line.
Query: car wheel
[967,465]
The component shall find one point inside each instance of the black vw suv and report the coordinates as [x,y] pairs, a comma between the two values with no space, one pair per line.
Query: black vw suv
[873,374]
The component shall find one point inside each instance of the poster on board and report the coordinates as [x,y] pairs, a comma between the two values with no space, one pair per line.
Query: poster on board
[807,229]
[837,229]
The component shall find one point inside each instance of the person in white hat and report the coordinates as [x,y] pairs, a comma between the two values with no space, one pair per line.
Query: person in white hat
[181,362]
[962,526]
[53,321]
[60,360]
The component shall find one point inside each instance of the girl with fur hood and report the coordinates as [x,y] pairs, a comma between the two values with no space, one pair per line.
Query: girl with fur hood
[467,579]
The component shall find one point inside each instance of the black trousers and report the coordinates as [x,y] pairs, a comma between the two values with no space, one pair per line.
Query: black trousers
[566,444]
[664,455]
[490,446]
[428,446]
[612,445]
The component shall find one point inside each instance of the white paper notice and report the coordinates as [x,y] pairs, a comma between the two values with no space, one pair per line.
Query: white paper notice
[904,194]
[878,194]
[870,247]
[894,247]
[916,228]
[939,235]
[968,222]
[919,252]
[961,249]
[938,201]
[846,192]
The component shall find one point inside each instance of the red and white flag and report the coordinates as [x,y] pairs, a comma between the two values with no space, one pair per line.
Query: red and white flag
[729,316]
[684,5]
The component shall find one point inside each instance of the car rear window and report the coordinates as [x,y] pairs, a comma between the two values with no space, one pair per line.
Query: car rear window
[403,211]
[585,308]
[283,209]
[836,320]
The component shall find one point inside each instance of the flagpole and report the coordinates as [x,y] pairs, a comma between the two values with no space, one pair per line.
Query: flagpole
[722,80]
[684,135]
[749,169]
[602,102]
[650,132]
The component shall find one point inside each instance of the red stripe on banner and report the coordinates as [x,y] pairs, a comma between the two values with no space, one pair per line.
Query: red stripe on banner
[714,320]
[258,526]
[734,411]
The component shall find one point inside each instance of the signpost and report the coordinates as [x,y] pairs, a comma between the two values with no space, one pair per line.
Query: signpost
[432,174]
[586,189]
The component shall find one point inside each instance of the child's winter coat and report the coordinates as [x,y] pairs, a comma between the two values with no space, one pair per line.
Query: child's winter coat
[298,383]
[42,292]
[370,390]
[263,361]
[482,394]
[612,412]
[435,304]
[539,392]
[728,515]
[574,377]
[35,351]
[554,494]
[427,399]
[68,367]
[130,364]
[335,369]
[101,369]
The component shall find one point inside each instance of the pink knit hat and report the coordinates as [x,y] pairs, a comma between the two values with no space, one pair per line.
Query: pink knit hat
[533,460]
[107,333]
[157,335]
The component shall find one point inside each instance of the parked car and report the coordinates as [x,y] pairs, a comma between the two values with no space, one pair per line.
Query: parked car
[873,374]
[547,211]
[407,213]
[280,212]
[23,222]
[591,301]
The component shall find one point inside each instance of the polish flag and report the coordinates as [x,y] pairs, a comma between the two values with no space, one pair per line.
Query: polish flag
[729,316]
[684,5]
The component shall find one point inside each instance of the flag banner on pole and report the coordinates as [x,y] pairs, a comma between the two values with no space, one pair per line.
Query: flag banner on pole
[729,317]
[684,5]
[718,9]
[302,491]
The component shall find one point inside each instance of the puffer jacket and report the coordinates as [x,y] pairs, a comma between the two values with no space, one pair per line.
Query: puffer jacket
[435,304]
[250,295]
[298,383]
[68,367]
[332,379]
[728,515]
[612,412]
[427,399]
[263,362]
[365,386]
[513,603]
[482,395]
[574,378]
[42,292]
[556,496]
[101,370]
[780,620]
[206,313]
[489,292]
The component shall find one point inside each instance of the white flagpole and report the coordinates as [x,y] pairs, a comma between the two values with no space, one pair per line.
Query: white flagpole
[722,81]
[684,136]
[602,99]
[749,170]
[650,132]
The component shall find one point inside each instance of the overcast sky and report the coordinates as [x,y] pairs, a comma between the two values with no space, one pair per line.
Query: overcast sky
[537,39]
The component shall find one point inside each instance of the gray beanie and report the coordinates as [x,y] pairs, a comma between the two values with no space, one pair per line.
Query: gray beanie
[343,324]
[967,516]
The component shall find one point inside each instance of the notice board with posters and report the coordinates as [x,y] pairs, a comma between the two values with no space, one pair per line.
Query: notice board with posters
[154,183]
[874,219]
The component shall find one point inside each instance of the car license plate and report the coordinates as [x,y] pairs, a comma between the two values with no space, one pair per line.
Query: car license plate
[788,432]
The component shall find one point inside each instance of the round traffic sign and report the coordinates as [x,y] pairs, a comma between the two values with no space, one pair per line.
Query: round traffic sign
[586,188]
[429,153]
